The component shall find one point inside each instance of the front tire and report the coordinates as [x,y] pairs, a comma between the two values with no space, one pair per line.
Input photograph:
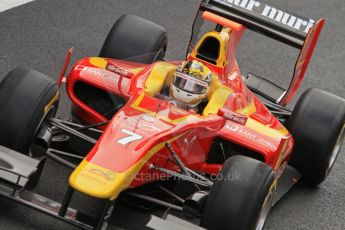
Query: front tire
[241,197]
[317,125]
[26,97]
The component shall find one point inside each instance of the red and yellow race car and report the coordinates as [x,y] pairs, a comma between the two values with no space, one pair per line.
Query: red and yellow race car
[216,144]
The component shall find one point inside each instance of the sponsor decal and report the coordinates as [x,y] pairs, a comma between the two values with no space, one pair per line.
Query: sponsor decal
[125,85]
[111,77]
[188,141]
[232,127]
[140,81]
[119,70]
[109,176]
[235,117]
[290,20]
[251,135]
[79,67]
[94,178]
[233,76]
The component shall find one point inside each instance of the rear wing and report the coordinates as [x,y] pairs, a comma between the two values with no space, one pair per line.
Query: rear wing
[296,31]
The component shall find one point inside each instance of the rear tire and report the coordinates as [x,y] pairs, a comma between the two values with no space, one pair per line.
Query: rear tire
[135,39]
[242,197]
[318,127]
[26,97]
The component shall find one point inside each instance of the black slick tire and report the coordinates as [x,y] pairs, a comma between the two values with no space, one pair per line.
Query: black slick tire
[135,39]
[26,96]
[317,126]
[244,188]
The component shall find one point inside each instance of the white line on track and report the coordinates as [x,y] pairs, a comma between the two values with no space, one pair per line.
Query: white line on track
[8,4]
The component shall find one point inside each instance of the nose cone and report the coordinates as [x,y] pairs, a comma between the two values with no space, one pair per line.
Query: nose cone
[133,136]
[99,182]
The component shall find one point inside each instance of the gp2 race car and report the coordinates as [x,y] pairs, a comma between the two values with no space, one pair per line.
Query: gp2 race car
[224,164]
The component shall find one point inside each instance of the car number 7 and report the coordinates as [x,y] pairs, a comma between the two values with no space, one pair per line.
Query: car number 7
[128,139]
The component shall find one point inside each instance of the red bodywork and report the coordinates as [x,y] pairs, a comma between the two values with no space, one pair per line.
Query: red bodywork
[135,138]
[157,121]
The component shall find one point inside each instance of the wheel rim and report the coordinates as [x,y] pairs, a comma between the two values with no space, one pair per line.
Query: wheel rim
[336,149]
[265,210]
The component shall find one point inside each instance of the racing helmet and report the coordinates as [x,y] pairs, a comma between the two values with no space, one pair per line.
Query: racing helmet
[191,83]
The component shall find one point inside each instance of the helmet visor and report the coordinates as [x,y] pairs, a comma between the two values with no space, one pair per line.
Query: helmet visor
[193,65]
[190,84]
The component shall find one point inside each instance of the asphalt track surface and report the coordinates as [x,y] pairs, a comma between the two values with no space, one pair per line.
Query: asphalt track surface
[38,35]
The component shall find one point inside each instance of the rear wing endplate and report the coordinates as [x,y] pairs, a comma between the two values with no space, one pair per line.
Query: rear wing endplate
[288,28]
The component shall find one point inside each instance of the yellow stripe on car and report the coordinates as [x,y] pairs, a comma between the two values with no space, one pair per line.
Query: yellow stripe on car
[160,73]
[99,182]
[98,62]
[265,129]
[217,100]
[51,103]
[136,106]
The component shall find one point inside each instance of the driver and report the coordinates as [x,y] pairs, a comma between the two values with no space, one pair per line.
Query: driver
[191,84]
